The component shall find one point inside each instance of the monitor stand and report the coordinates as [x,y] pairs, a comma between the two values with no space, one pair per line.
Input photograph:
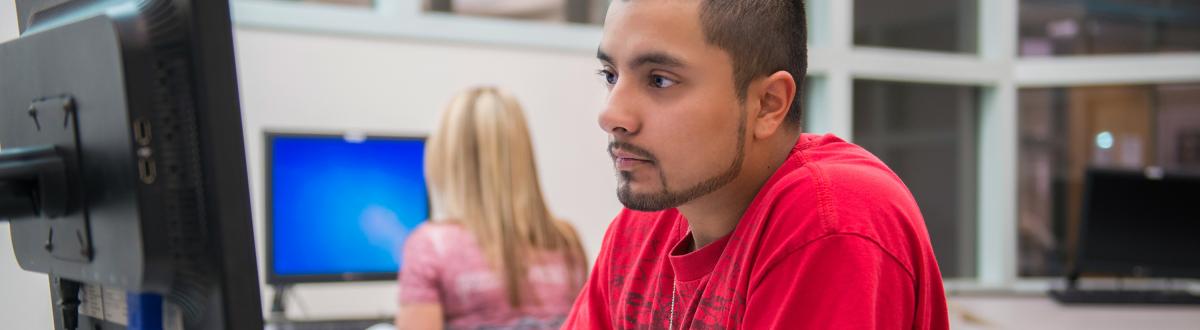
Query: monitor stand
[1073,295]
[279,304]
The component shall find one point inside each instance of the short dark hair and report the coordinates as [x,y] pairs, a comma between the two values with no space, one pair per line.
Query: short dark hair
[762,37]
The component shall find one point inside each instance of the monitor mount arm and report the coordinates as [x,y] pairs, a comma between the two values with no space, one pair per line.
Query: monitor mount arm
[39,180]
[33,182]
[37,177]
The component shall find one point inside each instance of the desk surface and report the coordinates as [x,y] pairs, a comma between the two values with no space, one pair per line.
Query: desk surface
[1040,312]
[992,312]
[333,325]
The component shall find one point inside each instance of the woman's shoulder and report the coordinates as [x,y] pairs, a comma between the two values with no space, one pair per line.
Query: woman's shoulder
[438,225]
[439,232]
[441,227]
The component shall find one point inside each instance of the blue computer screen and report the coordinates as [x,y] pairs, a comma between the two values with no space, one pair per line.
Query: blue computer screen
[343,207]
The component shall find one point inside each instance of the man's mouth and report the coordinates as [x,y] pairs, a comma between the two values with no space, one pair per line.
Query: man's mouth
[625,161]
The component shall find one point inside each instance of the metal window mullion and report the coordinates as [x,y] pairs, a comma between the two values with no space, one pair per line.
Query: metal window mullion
[816,104]
[836,38]
[819,23]
[996,206]
[1108,70]
[924,67]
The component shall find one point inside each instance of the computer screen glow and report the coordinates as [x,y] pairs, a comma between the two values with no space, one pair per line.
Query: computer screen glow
[343,206]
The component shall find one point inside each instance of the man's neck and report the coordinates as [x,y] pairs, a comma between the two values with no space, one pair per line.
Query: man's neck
[716,214]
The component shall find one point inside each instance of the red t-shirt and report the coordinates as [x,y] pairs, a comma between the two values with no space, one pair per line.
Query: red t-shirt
[833,240]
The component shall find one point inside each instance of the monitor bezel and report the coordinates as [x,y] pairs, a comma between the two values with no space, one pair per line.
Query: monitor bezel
[1086,263]
[274,278]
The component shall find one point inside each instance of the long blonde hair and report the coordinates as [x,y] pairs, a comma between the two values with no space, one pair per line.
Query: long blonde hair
[482,175]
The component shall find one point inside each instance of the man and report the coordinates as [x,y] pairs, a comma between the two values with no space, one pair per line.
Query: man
[734,219]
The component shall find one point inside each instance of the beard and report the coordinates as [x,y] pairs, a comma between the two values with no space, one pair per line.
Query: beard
[667,198]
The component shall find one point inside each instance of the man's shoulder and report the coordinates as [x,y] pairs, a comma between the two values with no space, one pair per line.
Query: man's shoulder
[842,177]
[838,188]
[826,171]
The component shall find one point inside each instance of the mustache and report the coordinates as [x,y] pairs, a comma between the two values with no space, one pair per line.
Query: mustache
[630,148]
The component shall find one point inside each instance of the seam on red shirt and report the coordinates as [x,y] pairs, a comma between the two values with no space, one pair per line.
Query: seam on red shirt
[824,196]
[773,263]
[827,205]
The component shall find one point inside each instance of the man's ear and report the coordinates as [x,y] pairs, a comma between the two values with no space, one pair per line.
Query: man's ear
[775,101]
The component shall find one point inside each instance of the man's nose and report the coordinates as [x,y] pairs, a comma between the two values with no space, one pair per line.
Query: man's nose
[619,116]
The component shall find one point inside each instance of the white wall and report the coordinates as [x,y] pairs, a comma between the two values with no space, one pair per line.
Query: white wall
[24,296]
[333,83]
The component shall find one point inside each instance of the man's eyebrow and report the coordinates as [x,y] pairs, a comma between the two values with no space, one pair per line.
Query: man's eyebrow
[658,58]
[601,55]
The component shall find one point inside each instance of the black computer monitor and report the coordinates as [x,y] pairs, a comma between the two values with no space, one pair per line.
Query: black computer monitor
[1140,223]
[122,171]
[340,206]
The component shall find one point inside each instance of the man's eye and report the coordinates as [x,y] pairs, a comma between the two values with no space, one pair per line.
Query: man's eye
[609,77]
[657,81]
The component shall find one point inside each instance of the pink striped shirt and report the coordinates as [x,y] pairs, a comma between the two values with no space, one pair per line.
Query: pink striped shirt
[443,264]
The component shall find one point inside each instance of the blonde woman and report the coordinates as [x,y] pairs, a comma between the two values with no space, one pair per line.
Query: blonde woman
[493,256]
